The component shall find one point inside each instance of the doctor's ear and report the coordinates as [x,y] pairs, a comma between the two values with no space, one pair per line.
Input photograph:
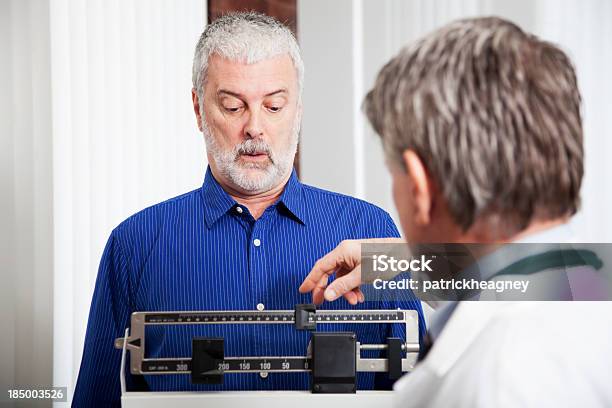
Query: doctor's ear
[423,189]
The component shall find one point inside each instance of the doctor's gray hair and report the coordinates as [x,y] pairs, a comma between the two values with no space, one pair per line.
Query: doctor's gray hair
[248,37]
[494,115]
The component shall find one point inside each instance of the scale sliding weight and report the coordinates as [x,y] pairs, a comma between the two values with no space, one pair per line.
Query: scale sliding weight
[332,358]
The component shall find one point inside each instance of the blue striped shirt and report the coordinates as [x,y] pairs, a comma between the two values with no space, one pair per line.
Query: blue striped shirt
[204,251]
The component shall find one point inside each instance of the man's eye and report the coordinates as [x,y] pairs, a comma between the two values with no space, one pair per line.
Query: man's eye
[233,109]
[274,109]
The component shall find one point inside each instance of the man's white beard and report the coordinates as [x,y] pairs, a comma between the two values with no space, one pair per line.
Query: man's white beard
[248,176]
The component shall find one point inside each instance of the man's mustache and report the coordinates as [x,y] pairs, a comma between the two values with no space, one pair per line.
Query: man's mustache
[253,146]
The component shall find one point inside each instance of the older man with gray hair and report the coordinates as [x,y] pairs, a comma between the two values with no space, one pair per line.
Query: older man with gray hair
[244,240]
[481,126]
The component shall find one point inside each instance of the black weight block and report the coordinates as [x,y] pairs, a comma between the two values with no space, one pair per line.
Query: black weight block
[333,362]
[206,355]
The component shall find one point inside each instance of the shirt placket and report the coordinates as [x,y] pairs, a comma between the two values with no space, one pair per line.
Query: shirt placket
[259,248]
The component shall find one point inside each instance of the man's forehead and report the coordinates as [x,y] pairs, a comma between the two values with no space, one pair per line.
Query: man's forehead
[275,75]
[222,91]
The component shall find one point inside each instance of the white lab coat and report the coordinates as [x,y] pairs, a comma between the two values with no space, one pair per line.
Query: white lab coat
[516,354]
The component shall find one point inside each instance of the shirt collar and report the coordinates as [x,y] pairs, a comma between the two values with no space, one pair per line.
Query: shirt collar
[217,201]
[292,198]
[439,319]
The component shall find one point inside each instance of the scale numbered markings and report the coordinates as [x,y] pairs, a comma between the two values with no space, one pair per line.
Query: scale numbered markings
[259,364]
[230,365]
[220,317]
[359,317]
[287,317]
[160,365]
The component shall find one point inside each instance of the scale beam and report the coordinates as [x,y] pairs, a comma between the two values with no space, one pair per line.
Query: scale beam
[208,354]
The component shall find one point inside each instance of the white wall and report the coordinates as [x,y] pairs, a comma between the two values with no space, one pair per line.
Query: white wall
[26,227]
[331,132]
[346,42]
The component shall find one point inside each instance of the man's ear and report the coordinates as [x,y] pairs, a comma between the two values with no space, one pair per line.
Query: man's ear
[422,187]
[196,108]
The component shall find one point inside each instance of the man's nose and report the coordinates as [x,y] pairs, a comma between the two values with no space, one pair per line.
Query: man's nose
[254,125]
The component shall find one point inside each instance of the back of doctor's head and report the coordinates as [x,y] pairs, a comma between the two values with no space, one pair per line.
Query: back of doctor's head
[494,115]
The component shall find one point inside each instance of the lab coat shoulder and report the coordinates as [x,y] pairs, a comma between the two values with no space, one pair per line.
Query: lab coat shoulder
[435,380]
[514,354]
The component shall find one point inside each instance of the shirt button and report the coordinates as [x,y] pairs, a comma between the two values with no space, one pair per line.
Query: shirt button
[260,307]
[256,242]
[239,210]
[263,374]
